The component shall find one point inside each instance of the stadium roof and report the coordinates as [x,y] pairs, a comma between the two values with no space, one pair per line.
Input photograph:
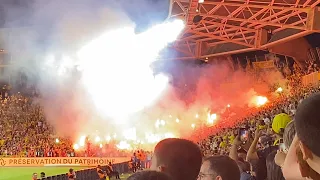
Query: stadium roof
[220,27]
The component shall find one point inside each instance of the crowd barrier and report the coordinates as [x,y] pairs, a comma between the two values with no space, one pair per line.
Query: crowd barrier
[91,174]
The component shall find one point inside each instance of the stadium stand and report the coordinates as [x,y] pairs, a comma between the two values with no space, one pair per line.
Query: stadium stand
[31,136]
[25,133]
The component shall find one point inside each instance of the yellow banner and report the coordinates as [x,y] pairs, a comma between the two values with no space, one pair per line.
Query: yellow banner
[263,64]
[59,161]
[311,79]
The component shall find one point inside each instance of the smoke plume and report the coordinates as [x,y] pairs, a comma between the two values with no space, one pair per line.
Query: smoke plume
[58,28]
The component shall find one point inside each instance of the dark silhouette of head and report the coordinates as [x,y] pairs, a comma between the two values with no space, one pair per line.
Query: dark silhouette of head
[179,158]
[149,175]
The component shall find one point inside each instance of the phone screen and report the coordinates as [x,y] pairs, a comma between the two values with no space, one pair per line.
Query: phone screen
[282,147]
[280,141]
[244,135]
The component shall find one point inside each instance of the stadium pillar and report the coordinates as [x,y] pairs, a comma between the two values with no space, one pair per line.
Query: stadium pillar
[200,49]
[313,22]
[297,49]
[262,38]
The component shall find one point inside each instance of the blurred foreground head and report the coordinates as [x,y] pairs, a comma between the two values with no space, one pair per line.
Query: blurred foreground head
[145,13]
[219,167]
[179,158]
[304,152]
[149,175]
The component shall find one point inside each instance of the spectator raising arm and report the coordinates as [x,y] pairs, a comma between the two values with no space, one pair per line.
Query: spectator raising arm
[252,152]
[234,148]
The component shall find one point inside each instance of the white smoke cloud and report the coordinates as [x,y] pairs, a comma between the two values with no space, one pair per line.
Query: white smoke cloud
[61,28]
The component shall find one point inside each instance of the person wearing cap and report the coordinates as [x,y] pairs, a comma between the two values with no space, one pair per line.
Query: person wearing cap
[279,123]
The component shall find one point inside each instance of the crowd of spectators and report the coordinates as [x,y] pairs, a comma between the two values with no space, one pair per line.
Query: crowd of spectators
[258,146]
[25,133]
[286,102]
[259,142]
[221,141]
[277,142]
[312,67]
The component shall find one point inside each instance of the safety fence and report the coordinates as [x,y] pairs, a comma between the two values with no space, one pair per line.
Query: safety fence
[91,174]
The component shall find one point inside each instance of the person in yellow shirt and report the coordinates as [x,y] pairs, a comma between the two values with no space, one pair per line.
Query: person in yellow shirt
[2,142]
[252,121]
[231,138]
[223,144]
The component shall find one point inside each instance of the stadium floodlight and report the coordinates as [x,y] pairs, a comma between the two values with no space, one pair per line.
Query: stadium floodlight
[146,13]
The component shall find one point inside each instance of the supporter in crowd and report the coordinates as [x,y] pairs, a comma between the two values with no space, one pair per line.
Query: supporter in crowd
[273,170]
[257,156]
[34,176]
[71,174]
[279,124]
[112,172]
[219,167]
[101,173]
[238,154]
[148,160]
[149,175]
[245,171]
[43,175]
[288,136]
[179,158]
[134,163]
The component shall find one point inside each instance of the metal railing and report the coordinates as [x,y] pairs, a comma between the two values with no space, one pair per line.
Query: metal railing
[90,174]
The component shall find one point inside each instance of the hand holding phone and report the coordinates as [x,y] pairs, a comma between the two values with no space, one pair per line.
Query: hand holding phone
[244,134]
[282,147]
